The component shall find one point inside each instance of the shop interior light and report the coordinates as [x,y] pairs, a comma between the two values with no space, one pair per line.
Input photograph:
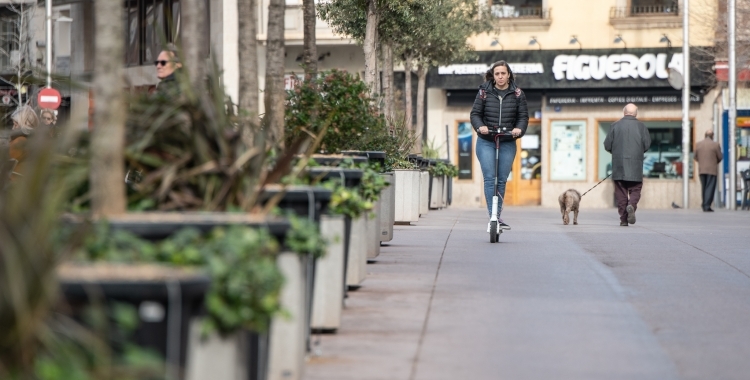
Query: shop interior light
[619,39]
[666,39]
[533,41]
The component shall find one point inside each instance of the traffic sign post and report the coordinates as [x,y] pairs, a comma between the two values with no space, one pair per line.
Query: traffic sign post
[49,98]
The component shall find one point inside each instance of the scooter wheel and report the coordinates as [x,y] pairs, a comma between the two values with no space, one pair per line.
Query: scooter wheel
[493,232]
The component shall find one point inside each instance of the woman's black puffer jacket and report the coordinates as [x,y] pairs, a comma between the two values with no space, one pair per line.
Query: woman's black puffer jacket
[489,110]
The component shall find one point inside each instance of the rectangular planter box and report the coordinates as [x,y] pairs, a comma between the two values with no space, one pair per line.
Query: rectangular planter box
[444,199]
[407,195]
[387,208]
[356,266]
[239,356]
[328,296]
[436,192]
[424,195]
[372,220]
[288,334]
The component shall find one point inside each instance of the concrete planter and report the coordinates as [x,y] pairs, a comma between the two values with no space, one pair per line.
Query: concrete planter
[356,265]
[239,356]
[444,199]
[436,194]
[288,334]
[407,195]
[328,296]
[372,221]
[387,208]
[424,192]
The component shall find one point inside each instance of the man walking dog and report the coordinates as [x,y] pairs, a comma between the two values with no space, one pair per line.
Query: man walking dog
[628,140]
[708,154]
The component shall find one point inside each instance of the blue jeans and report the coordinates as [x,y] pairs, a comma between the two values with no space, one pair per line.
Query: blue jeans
[486,157]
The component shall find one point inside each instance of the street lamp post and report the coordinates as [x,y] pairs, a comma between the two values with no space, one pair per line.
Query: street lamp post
[731,149]
[48,45]
[685,106]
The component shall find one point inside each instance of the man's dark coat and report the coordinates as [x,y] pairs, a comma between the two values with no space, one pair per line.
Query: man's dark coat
[628,140]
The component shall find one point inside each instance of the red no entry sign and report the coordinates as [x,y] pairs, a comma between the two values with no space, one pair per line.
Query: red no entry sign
[49,98]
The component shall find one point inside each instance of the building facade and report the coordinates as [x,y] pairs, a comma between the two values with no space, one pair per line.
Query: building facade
[579,62]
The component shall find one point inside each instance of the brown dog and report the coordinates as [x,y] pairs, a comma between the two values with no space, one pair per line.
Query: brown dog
[569,201]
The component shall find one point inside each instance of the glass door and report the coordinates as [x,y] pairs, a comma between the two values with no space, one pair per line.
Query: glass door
[525,181]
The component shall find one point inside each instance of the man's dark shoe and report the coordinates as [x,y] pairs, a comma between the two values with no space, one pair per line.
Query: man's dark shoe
[623,224]
[631,214]
[708,210]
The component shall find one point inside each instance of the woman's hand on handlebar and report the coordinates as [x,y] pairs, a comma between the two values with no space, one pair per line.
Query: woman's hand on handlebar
[483,130]
[516,132]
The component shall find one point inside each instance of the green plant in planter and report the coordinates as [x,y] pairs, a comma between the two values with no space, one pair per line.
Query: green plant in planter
[443,169]
[372,182]
[304,237]
[337,96]
[245,282]
[355,123]
[347,201]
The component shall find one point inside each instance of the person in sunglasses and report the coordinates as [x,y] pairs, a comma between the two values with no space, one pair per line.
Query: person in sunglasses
[167,63]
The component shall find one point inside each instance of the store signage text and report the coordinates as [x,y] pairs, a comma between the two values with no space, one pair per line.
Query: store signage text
[480,68]
[618,99]
[614,66]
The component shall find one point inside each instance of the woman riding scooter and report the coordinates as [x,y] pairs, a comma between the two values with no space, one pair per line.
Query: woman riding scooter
[499,111]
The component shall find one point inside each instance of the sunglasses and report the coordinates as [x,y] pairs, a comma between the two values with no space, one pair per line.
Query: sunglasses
[163,63]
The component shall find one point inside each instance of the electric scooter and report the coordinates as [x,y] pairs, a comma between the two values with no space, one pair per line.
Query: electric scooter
[495,231]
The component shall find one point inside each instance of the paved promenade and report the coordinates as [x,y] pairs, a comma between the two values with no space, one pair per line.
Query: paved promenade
[666,298]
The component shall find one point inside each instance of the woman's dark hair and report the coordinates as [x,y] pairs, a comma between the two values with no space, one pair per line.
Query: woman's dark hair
[488,76]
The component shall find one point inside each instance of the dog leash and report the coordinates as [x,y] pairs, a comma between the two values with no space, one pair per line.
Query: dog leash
[596,184]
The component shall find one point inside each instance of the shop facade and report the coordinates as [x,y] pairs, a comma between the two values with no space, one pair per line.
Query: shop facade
[574,96]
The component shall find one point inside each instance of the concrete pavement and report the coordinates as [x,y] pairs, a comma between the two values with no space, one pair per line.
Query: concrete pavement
[666,298]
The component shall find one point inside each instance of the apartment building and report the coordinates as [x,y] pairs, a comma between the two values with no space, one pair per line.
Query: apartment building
[579,62]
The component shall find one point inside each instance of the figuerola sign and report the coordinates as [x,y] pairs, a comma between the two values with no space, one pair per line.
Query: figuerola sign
[592,76]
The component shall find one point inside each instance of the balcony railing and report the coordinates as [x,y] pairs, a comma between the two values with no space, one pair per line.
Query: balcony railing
[644,10]
[510,11]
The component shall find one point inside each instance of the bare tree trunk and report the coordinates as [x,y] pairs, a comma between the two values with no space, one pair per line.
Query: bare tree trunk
[378,68]
[107,176]
[421,81]
[248,52]
[310,52]
[273,121]
[388,80]
[252,135]
[195,32]
[248,55]
[407,93]
[371,57]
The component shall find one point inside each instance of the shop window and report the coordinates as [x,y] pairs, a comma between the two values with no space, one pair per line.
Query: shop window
[568,151]
[662,160]
[149,26]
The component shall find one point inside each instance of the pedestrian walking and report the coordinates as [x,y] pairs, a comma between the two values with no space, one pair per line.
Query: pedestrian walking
[167,64]
[627,140]
[708,154]
[49,121]
[499,103]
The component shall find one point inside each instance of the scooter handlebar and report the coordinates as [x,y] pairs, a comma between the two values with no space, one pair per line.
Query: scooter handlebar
[501,131]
